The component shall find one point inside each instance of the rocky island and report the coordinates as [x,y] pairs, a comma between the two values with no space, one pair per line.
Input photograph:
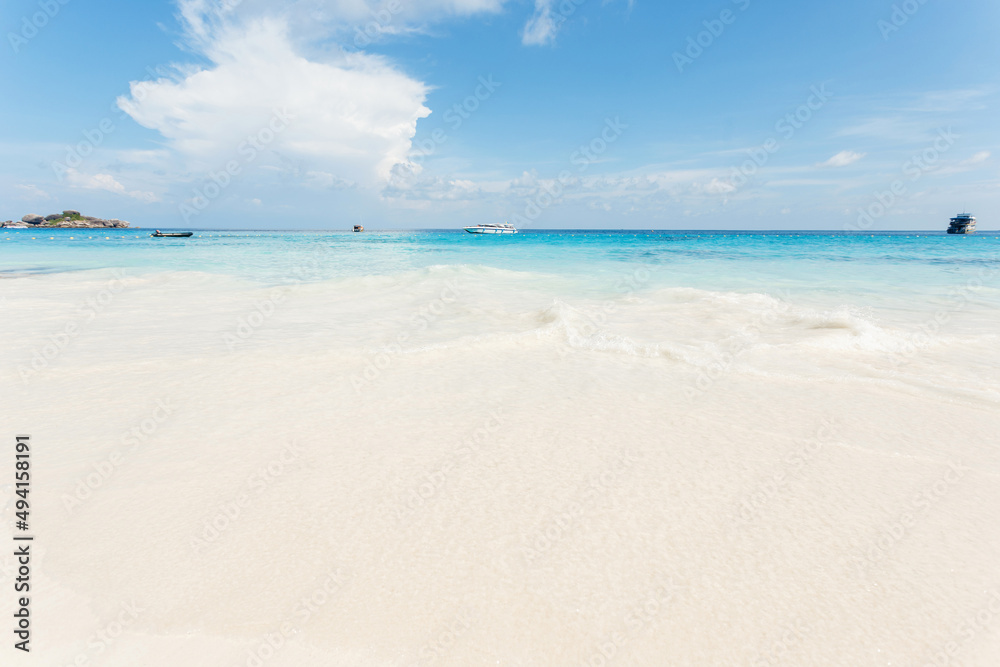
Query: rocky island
[67,219]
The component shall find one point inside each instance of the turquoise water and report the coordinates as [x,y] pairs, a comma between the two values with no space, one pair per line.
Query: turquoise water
[902,264]
[747,417]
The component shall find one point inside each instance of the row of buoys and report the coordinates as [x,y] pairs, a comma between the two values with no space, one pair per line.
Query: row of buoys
[7,238]
[257,235]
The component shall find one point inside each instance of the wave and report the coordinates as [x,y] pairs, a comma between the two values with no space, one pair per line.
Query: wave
[454,306]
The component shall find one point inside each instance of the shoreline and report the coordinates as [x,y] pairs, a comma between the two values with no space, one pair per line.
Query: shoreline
[551,230]
[469,518]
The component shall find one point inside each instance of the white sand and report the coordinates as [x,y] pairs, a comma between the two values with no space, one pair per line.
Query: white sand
[671,478]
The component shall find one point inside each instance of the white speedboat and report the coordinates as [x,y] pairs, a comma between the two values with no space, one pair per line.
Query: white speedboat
[492,228]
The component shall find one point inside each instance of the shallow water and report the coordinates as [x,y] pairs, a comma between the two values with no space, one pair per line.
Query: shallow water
[398,448]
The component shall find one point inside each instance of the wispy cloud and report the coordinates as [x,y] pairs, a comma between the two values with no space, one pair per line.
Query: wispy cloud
[108,183]
[32,192]
[972,163]
[542,26]
[842,159]
[913,117]
[978,158]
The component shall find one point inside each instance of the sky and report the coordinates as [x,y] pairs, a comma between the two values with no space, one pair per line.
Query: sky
[859,115]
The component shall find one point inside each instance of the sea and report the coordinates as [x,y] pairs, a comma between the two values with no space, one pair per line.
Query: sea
[577,448]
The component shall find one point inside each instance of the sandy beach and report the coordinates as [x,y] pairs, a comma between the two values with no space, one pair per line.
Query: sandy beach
[466,465]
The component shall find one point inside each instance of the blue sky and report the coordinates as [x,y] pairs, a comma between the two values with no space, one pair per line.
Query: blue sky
[574,114]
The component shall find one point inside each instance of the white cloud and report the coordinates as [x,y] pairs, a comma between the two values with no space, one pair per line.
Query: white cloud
[202,15]
[913,117]
[328,181]
[548,17]
[31,191]
[541,27]
[355,23]
[140,157]
[409,183]
[353,115]
[978,158]
[842,159]
[968,164]
[595,192]
[108,183]
[715,186]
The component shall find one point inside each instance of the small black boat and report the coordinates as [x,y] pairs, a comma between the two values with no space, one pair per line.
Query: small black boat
[172,234]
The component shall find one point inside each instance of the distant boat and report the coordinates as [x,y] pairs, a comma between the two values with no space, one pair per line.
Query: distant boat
[492,228]
[158,233]
[963,223]
[359,228]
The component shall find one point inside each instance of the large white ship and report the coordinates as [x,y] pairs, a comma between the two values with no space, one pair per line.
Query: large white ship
[963,223]
[491,228]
